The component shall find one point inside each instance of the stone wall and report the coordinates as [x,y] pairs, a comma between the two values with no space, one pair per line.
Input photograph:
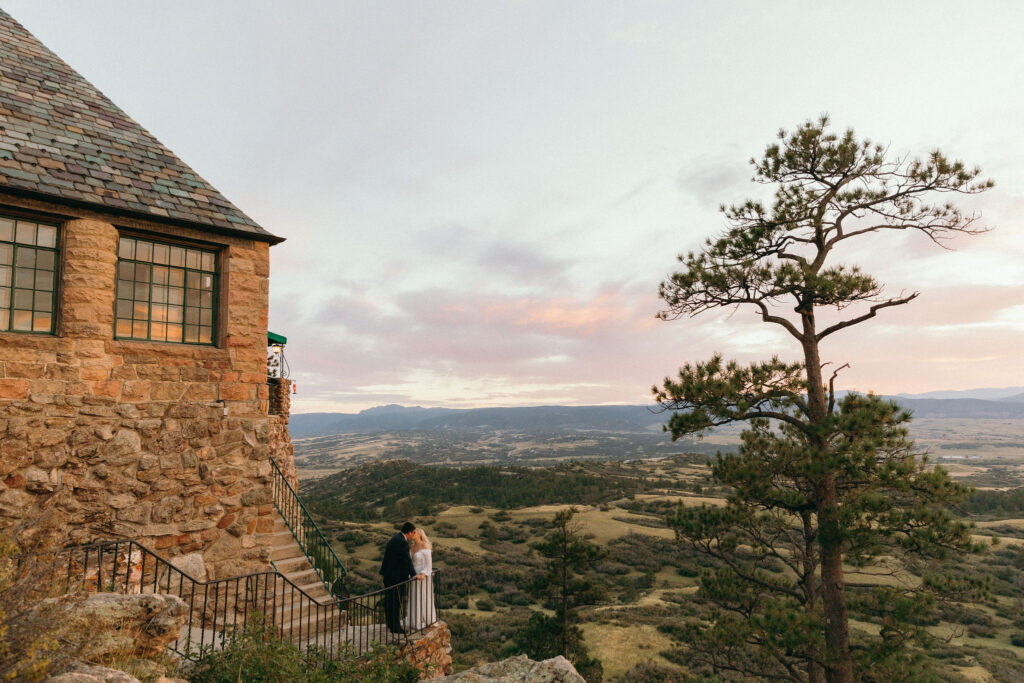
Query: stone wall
[430,651]
[165,443]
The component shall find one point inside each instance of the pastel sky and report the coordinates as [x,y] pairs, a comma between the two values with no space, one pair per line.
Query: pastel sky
[480,198]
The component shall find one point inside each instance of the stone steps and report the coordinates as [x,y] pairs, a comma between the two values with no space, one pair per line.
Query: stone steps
[291,562]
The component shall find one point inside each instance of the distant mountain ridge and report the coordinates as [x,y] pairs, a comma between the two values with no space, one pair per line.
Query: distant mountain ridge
[985,394]
[560,419]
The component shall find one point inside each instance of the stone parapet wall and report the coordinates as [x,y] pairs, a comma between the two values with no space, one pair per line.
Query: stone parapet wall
[160,442]
[280,396]
[430,651]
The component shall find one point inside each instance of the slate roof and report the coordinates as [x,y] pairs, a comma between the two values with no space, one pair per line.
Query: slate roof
[62,140]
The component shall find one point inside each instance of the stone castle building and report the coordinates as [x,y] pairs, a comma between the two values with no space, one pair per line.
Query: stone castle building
[134,399]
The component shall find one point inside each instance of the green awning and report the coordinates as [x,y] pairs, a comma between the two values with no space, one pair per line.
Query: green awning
[276,338]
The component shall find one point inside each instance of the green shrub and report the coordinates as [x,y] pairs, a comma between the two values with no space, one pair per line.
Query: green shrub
[256,655]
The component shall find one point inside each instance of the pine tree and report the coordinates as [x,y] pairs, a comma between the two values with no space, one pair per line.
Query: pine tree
[566,581]
[828,493]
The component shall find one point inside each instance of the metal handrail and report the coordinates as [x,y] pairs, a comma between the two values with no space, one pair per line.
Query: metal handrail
[308,535]
[220,607]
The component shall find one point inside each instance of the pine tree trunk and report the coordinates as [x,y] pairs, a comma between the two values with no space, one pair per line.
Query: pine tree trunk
[833,587]
[838,660]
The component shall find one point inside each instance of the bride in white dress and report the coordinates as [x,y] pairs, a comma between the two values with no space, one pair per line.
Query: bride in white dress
[421,591]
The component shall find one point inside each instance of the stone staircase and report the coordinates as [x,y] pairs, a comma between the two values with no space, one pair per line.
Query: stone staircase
[290,560]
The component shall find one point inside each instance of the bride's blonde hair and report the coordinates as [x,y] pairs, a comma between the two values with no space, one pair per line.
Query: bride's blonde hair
[422,541]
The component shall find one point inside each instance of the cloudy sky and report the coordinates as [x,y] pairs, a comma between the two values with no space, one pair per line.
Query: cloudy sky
[480,198]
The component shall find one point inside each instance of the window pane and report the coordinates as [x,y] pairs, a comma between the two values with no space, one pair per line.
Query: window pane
[192,280]
[5,276]
[161,253]
[160,275]
[44,280]
[158,331]
[174,314]
[140,329]
[124,327]
[23,298]
[46,236]
[178,256]
[191,334]
[125,270]
[126,248]
[174,333]
[175,296]
[206,317]
[206,282]
[192,316]
[44,301]
[6,232]
[24,277]
[141,272]
[158,313]
[177,278]
[141,310]
[41,322]
[192,259]
[6,253]
[207,261]
[22,321]
[26,234]
[124,309]
[25,258]
[141,292]
[143,251]
[44,259]
[5,317]
[159,295]
[5,301]
[205,335]
[124,289]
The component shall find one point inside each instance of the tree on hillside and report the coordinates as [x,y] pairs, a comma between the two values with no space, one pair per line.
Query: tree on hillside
[826,493]
[567,582]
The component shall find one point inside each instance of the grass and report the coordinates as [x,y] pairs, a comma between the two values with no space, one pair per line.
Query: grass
[621,648]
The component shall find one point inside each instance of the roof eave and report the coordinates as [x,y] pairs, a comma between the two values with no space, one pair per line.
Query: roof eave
[262,236]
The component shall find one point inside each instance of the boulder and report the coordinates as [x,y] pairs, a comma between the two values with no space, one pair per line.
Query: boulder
[86,673]
[519,669]
[138,624]
[81,672]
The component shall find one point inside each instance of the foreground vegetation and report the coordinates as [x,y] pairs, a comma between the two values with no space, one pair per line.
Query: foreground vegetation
[257,655]
[489,561]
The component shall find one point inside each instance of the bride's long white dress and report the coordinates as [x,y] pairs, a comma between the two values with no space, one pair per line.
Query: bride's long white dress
[421,593]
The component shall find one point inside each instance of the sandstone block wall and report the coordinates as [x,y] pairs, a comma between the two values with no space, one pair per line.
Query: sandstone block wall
[165,443]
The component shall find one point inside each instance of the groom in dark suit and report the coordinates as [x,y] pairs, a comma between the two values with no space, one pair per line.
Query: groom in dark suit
[396,568]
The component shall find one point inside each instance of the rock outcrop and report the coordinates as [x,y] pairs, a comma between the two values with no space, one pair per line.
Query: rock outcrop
[519,669]
[139,625]
[87,673]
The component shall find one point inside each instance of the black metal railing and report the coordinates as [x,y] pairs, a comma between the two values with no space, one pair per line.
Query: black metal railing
[222,606]
[308,535]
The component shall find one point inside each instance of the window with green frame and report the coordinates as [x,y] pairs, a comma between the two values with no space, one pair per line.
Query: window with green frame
[28,282]
[165,292]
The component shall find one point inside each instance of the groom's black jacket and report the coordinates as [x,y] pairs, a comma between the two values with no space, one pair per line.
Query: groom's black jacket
[397,564]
